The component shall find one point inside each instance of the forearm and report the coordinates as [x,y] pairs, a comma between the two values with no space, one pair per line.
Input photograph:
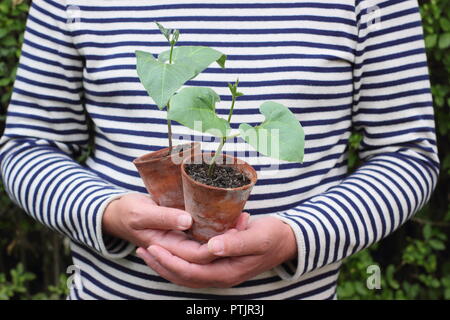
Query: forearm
[57,191]
[367,206]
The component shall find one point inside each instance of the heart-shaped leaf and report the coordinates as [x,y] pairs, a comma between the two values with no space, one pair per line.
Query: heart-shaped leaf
[280,136]
[195,108]
[197,56]
[161,80]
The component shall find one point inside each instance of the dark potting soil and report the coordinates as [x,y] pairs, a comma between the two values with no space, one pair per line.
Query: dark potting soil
[223,176]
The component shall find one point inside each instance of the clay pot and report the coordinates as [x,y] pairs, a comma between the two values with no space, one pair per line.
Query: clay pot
[160,171]
[215,210]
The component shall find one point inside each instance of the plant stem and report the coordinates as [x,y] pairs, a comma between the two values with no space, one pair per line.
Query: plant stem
[234,95]
[212,164]
[169,122]
[171,51]
[230,114]
[169,129]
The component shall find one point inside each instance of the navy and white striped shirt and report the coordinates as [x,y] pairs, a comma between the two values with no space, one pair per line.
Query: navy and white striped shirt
[335,63]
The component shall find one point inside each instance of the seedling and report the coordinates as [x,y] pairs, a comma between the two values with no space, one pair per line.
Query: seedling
[280,136]
[163,76]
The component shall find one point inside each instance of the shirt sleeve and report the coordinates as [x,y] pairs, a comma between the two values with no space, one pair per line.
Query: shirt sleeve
[393,111]
[46,128]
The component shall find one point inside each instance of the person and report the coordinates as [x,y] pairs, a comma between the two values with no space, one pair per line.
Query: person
[338,65]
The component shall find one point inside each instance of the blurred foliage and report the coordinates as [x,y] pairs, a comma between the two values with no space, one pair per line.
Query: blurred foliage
[414,261]
[17,286]
[32,258]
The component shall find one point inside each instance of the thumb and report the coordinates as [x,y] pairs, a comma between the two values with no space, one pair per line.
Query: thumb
[241,243]
[242,221]
[161,218]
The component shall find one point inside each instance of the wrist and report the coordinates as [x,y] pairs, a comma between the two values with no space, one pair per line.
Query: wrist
[109,220]
[290,243]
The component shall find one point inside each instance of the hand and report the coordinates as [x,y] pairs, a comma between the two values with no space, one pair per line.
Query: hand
[138,219]
[135,217]
[266,243]
[190,250]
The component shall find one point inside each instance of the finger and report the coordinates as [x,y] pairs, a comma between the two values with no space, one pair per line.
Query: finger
[231,231]
[222,273]
[242,222]
[180,271]
[153,264]
[247,242]
[161,218]
[180,245]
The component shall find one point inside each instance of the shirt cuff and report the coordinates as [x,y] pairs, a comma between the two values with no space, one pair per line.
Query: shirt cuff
[292,270]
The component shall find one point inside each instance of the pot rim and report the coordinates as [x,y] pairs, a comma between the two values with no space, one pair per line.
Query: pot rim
[235,159]
[141,160]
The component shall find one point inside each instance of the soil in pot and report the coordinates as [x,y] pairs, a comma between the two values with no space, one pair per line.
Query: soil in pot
[160,172]
[222,177]
[215,208]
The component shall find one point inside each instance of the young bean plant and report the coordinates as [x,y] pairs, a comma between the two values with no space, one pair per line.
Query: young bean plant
[163,76]
[279,136]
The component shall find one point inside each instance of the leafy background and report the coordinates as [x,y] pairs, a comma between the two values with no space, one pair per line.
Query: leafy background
[414,261]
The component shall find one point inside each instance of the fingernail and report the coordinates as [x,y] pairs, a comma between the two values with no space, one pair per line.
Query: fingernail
[184,222]
[140,252]
[151,252]
[216,246]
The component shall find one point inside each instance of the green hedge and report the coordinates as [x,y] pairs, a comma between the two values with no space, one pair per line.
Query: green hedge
[413,261]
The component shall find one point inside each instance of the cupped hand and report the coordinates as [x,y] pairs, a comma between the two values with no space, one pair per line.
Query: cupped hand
[138,219]
[264,244]
[181,245]
[135,217]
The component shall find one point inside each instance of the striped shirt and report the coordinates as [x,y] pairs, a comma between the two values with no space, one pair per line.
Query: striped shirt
[337,64]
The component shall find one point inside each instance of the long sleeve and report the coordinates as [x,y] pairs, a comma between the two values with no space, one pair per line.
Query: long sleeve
[394,113]
[46,129]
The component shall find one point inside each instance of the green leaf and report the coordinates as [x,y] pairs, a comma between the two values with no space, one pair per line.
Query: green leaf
[444,40]
[5,82]
[430,41]
[164,31]
[390,277]
[280,136]
[3,32]
[9,41]
[195,108]
[447,294]
[175,37]
[197,56]
[437,244]
[427,232]
[161,80]
[445,24]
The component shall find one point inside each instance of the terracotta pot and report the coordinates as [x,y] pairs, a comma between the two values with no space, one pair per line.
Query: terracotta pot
[215,210]
[160,171]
